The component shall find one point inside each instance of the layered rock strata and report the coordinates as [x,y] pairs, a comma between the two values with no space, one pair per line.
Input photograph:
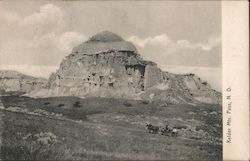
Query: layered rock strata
[108,66]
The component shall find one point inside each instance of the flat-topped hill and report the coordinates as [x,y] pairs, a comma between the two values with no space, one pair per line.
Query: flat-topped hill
[104,41]
[108,66]
[105,36]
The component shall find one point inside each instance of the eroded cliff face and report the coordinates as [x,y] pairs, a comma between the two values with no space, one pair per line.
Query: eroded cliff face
[14,82]
[186,88]
[108,66]
[120,72]
[105,65]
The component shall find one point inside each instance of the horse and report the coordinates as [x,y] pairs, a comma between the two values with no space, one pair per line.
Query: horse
[169,131]
[174,132]
[152,129]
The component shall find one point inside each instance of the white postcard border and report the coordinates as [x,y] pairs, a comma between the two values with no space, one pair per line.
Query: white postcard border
[235,63]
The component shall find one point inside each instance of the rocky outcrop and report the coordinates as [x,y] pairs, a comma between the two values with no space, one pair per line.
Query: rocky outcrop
[12,82]
[186,88]
[108,66]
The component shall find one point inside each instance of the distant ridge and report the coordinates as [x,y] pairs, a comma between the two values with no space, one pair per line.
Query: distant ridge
[16,75]
[15,82]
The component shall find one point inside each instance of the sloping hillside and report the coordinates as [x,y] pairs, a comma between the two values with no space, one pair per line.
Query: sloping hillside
[70,128]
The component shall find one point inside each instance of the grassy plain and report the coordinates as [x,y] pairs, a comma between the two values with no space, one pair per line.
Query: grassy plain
[71,128]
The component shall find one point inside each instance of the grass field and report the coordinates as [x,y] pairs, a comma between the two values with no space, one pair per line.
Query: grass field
[70,128]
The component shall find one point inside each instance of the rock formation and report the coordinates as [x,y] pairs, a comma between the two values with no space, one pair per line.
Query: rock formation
[108,66]
[12,82]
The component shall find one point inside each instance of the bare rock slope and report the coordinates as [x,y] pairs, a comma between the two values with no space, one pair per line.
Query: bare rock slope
[108,66]
[15,82]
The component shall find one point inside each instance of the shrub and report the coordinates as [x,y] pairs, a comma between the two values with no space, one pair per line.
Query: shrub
[145,102]
[60,105]
[197,128]
[127,104]
[46,103]
[77,104]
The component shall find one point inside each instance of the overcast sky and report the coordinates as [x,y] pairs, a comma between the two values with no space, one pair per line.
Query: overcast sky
[177,33]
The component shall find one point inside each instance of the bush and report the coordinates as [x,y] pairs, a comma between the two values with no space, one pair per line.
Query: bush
[46,103]
[145,102]
[127,104]
[60,105]
[197,128]
[77,104]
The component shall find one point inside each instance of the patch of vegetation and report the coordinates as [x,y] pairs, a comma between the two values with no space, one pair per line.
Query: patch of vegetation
[61,105]
[145,102]
[77,104]
[46,103]
[127,104]
[197,128]
[107,131]
[190,74]
[15,153]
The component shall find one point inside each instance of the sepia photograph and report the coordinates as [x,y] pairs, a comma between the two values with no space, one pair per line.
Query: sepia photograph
[111,80]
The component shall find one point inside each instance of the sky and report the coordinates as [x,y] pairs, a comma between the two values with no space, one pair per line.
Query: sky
[182,35]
